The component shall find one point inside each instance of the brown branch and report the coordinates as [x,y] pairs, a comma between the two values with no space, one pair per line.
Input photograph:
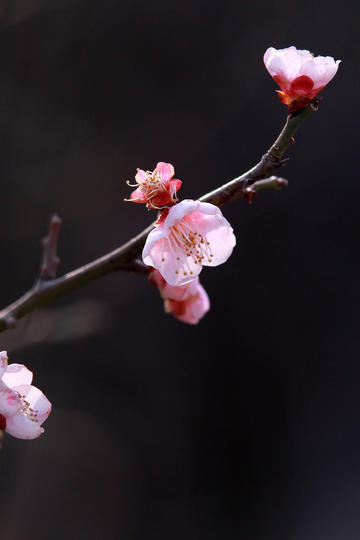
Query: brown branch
[127,257]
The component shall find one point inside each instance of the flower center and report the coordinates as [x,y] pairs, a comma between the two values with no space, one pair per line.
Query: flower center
[31,414]
[186,237]
[152,184]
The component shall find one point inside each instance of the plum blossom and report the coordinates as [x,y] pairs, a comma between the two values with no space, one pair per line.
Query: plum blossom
[23,407]
[188,303]
[300,75]
[188,236]
[156,188]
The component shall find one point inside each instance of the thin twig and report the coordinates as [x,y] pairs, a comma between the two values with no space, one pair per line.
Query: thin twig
[51,260]
[127,256]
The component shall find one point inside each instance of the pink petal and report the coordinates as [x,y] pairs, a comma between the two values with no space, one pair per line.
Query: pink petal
[321,70]
[166,170]
[218,231]
[173,264]
[171,257]
[284,63]
[17,374]
[222,242]
[151,248]
[176,184]
[173,293]
[180,293]
[138,196]
[156,279]
[35,404]
[192,309]
[10,402]
[140,176]
[177,212]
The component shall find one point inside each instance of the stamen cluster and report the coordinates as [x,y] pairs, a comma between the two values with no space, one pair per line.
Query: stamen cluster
[157,189]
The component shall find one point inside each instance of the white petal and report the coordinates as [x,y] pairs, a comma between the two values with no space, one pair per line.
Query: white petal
[168,255]
[35,404]
[219,234]
[21,427]
[10,403]
[153,238]
[173,264]
[284,62]
[179,210]
[17,374]
[320,69]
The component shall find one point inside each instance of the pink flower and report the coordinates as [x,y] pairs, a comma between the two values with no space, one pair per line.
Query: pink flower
[300,75]
[189,235]
[188,303]
[23,407]
[156,189]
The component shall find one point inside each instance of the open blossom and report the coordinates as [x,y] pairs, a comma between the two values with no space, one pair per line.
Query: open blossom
[23,407]
[300,75]
[188,235]
[188,303]
[156,188]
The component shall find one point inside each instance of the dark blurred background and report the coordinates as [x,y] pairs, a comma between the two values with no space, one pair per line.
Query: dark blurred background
[247,425]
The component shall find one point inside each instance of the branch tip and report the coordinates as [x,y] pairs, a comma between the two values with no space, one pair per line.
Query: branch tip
[280,182]
[50,260]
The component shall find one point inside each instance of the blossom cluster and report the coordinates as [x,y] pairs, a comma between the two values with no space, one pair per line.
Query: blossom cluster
[187,236]
[191,234]
[23,407]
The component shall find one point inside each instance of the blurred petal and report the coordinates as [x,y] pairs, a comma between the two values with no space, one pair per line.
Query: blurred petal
[21,427]
[17,374]
[10,402]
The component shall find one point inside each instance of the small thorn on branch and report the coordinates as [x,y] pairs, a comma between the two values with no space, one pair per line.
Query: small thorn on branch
[50,260]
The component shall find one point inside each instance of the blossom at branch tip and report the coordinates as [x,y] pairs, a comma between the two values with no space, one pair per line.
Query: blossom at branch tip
[300,75]
[188,236]
[157,189]
[23,407]
[188,303]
